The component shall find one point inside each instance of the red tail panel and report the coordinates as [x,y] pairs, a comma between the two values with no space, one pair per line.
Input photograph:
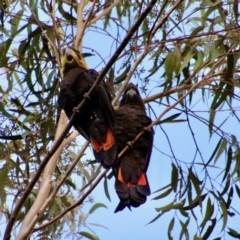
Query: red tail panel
[109,140]
[141,181]
[96,146]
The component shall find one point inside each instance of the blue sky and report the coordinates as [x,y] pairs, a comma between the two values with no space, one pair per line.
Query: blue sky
[132,225]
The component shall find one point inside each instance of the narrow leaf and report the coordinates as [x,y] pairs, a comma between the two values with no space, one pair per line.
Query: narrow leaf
[96,206]
[209,229]
[228,165]
[105,183]
[88,235]
[184,230]
[208,213]
[225,214]
[174,178]
[169,119]
[195,202]
[170,228]
[221,149]
[214,152]
[164,194]
[169,207]
[233,233]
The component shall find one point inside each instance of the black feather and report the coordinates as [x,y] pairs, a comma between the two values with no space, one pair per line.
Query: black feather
[131,118]
[96,117]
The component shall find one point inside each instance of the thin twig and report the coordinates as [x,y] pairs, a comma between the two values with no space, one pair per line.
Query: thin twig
[105,12]
[81,26]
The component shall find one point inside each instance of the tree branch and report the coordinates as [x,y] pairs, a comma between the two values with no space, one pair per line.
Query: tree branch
[50,167]
[29,228]
[105,12]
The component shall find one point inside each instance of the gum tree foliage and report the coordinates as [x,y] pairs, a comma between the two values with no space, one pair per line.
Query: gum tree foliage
[186,51]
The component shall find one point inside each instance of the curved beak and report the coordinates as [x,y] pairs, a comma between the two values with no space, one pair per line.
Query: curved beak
[131,92]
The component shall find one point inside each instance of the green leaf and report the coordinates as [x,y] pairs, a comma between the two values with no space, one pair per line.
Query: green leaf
[169,119]
[228,165]
[96,206]
[211,120]
[221,149]
[167,186]
[145,30]
[169,207]
[4,46]
[233,233]
[3,181]
[89,235]
[209,229]
[98,225]
[164,194]
[236,10]
[122,76]
[4,112]
[225,189]
[196,30]
[174,178]
[15,21]
[107,21]
[184,213]
[208,213]
[225,214]
[219,98]
[172,63]
[119,13]
[229,199]
[214,152]
[110,82]
[170,228]
[70,183]
[105,184]
[186,60]
[69,17]
[177,60]
[199,61]
[197,238]
[238,191]
[184,230]
[196,182]
[157,217]
[195,202]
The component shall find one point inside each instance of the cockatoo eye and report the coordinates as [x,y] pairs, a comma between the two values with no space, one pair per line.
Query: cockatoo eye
[69,58]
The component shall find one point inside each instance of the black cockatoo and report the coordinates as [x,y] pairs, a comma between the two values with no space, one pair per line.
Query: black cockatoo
[95,120]
[131,180]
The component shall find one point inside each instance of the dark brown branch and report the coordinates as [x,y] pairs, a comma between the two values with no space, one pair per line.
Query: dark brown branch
[30,186]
